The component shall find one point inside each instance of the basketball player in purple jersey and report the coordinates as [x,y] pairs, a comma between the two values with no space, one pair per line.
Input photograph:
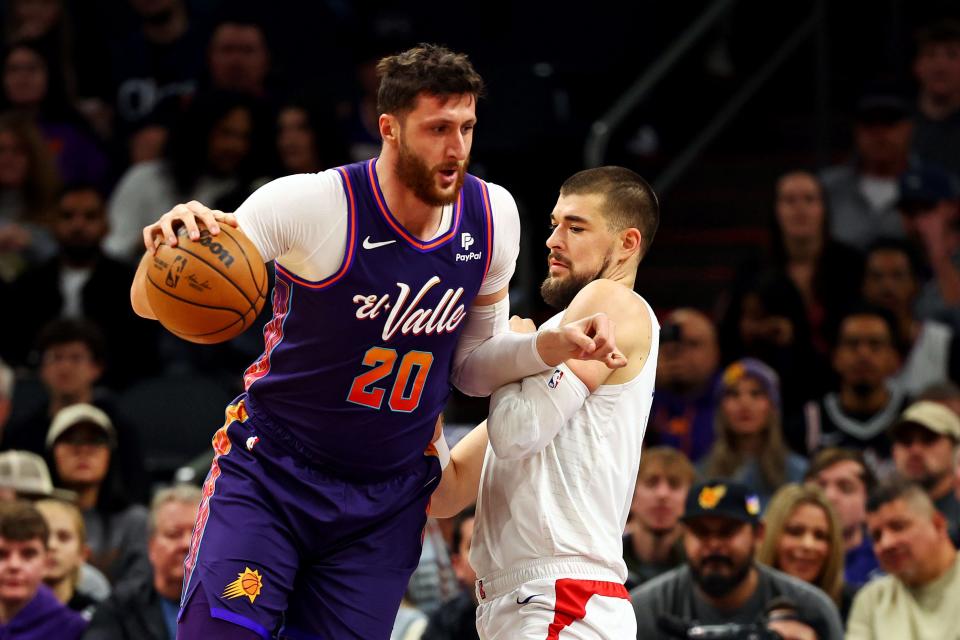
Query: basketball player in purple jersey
[391,282]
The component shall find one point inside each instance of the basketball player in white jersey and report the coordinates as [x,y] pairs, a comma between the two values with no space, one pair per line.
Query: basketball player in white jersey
[564,446]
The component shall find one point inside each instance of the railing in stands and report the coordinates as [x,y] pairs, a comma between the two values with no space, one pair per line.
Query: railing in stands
[602,130]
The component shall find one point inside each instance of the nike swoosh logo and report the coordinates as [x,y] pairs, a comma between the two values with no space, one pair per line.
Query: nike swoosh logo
[528,599]
[373,245]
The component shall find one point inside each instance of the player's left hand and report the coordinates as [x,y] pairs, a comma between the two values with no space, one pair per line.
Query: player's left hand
[522,325]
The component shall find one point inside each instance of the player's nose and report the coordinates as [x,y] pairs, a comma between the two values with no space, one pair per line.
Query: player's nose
[458,146]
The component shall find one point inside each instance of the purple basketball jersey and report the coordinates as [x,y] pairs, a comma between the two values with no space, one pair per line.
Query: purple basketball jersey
[357,366]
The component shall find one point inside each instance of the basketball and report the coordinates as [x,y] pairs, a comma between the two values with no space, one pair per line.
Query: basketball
[209,290]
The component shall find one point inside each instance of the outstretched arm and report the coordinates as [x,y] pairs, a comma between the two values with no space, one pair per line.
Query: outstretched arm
[489,355]
[526,416]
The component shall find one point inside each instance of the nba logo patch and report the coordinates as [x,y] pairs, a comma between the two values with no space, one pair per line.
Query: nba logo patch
[555,379]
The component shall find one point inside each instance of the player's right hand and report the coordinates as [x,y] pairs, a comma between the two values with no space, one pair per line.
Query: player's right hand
[186,215]
[589,338]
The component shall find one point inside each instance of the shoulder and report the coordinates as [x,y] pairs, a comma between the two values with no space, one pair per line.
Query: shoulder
[612,298]
[296,199]
[133,516]
[503,207]
[148,171]
[837,174]
[873,593]
[300,185]
[603,292]
[662,588]
[935,329]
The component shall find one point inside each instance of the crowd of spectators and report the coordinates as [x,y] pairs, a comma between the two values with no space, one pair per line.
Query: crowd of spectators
[801,469]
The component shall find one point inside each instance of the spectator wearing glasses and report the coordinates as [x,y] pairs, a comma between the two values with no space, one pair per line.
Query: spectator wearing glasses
[858,414]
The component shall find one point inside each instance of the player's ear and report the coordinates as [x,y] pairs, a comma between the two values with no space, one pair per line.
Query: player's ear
[389,127]
[630,242]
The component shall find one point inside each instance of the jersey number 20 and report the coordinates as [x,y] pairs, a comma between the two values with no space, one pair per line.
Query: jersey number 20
[363,391]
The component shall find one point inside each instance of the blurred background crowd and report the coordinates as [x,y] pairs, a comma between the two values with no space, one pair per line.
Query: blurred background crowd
[806,273]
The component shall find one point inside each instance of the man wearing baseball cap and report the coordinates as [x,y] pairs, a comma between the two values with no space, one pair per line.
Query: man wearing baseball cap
[24,474]
[720,582]
[925,441]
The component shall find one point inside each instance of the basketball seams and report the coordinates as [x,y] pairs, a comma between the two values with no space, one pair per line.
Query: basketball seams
[253,277]
[191,302]
[253,305]
[186,313]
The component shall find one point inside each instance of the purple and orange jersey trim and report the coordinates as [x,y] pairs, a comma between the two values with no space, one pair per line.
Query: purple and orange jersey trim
[351,248]
[488,217]
[221,446]
[398,228]
[272,333]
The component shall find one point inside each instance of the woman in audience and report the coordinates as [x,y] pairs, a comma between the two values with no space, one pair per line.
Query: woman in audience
[81,441]
[802,280]
[749,445]
[802,538]
[29,184]
[68,552]
[214,152]
[306,143]
[33,87]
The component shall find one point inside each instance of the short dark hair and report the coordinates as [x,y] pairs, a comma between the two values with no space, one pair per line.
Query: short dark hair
[630,201]
[900,245]
[64,331]
[78,187]
[458,520]
[826,458]
[425,68]
[939,32]
[898,488]
[20,521]
[865,309]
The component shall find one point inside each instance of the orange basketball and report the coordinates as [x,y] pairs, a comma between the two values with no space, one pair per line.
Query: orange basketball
[208,290]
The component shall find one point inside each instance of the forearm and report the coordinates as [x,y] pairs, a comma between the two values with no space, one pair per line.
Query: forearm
[460,482]
[489,355]
[526,416]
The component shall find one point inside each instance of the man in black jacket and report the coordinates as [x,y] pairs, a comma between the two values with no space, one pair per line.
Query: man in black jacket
[149,612]
[720,582]
[80,282]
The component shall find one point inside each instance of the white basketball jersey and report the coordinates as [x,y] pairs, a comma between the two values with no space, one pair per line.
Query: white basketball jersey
[572,498]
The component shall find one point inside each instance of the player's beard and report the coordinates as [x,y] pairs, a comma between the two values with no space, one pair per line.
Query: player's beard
[414,174]
[717,585]
[559,292]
